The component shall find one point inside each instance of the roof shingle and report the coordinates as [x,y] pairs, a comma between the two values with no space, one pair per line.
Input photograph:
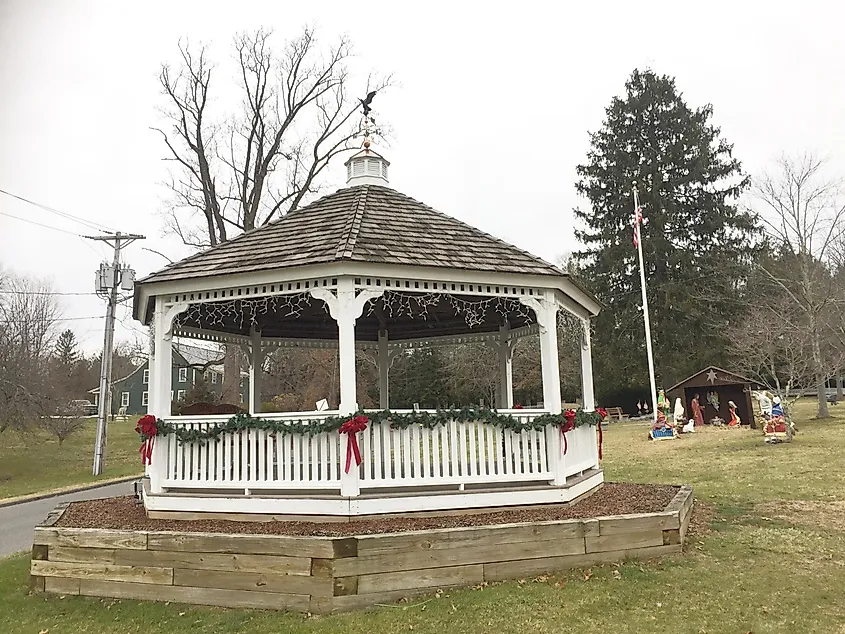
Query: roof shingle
[366,223]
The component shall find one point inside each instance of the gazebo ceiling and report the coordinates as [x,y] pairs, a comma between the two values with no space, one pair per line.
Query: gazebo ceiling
[404,316]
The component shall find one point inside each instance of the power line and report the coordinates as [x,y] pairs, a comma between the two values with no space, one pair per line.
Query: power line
[12,292]
[63,214]
[23,321]
[100,254]
[71,233]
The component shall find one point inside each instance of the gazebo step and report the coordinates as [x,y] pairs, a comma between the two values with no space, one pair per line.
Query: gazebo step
[323,506]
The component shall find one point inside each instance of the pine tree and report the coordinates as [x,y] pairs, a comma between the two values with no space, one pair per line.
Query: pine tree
[419,377]
[696,244]
[67,352]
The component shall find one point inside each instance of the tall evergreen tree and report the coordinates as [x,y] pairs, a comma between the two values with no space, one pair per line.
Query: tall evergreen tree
[419,377]
[696,244]
[67,351]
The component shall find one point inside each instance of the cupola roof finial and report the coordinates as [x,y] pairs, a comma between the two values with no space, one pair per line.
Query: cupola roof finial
[367,167]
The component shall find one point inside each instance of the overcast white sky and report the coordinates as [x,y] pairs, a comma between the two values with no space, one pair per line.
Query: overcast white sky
[491,116]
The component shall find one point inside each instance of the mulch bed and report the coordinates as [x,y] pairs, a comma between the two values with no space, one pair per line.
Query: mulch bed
[611,499]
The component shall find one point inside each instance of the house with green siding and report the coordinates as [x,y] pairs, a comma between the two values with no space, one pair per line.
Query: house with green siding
[190,363]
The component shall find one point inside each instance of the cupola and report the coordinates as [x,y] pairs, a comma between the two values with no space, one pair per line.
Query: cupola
[366,167]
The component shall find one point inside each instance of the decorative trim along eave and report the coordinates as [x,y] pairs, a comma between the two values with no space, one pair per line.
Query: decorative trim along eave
[400,344]
[326,275]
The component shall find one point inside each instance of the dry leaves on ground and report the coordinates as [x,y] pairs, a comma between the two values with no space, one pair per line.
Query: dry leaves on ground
[815,513]
[611,499]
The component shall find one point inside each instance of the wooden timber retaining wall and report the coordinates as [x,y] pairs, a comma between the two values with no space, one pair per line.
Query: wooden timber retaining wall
[328,574]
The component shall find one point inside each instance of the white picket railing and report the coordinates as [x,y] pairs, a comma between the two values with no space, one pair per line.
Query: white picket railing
[455,454]
[248,459]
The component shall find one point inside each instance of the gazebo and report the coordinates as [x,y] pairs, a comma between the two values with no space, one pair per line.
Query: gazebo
[366,268]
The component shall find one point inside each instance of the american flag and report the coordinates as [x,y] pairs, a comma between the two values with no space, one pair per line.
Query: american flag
[638,220]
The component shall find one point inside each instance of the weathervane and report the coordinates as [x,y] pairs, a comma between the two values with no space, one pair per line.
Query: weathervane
[368,119]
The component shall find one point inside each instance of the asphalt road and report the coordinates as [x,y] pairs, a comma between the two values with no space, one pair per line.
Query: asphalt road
[18,521]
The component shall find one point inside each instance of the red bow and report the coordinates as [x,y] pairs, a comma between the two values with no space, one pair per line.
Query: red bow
[147,427]
[351,429]
[569,425]
[603,413]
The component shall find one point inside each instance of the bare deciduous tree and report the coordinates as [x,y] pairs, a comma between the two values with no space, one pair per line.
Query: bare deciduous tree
[238,172]
[804,213]
[472,372]
[772,345]
[29,313]
[62,427]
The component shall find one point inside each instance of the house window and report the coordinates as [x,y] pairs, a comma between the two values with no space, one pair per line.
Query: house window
[180,395]
[214,377]
[206,376]
[145,398]
[146,376]
[183,375]
[124,399]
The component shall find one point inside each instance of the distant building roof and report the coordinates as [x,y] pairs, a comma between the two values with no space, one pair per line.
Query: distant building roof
[192,355]
[712,376]
[196,355]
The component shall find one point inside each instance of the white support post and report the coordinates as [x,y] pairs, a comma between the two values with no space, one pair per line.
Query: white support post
[152,366]
[161,383]
[152,393]
[549,356]
[587,392]
[349,482]
[345,308]
[546,311]
[256,361]
[346,345]
[505,346]
[383,370]
[159,387]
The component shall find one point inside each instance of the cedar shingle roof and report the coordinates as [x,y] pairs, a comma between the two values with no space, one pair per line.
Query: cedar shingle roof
[366,223]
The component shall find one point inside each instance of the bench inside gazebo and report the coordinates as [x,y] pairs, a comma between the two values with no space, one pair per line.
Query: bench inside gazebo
[366,268]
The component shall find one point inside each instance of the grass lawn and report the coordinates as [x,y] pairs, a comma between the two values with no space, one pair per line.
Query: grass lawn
[774,561]
[31,463]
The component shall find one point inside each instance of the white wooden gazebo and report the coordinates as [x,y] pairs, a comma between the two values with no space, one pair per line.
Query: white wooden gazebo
[365,268]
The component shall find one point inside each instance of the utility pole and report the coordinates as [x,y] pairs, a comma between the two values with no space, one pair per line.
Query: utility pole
[117,241]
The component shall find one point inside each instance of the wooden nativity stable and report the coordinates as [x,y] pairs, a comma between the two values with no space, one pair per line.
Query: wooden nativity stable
[715,387]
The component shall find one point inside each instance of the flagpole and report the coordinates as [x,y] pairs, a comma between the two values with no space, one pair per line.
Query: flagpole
[645,307]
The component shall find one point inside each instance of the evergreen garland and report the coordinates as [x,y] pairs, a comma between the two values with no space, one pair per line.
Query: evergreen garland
[428,420]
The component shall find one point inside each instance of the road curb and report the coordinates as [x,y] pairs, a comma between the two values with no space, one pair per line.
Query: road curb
[58,492]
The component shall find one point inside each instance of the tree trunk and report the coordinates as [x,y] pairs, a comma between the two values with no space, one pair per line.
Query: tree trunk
[787,408]
[230,392]
[821,385]
[821,377]
[838,388]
